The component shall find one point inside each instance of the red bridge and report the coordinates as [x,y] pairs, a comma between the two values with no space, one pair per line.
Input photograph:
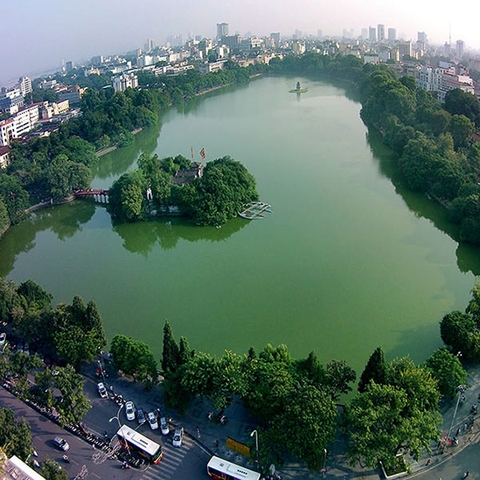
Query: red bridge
[98,194]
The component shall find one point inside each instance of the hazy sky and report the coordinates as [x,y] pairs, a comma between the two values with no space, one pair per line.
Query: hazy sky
[39,34]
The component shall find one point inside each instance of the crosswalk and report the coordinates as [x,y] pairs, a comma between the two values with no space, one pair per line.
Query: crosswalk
[172,458]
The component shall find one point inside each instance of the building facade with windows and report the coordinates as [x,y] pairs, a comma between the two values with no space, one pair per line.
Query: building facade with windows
[19,124]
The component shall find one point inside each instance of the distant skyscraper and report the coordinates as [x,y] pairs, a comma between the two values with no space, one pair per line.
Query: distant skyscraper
[460,48]
[319,34]
[149,45]
[380,32]
[364,33]
[222,30]
[69,66]
[422,37]
[392,34]
[372,34]
[275,36]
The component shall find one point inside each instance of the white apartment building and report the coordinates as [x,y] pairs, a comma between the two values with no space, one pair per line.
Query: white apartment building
[441,80]
[25,85]
[125,81]
[19,124]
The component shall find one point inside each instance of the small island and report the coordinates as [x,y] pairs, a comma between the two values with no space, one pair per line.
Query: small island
[208,195]
[299,89]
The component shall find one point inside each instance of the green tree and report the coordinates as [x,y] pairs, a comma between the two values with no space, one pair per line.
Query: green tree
[15,436]
[14,197]
[74,404]
[78,334]
[395,418]
[375,370]
[458,102]
[459,331]
[170,355]
[184,351]
[51,470]
[473,307]
[134,358]
[461,129]
[126,198]
[447,370]
[338,376]
[4,218]
[305,427]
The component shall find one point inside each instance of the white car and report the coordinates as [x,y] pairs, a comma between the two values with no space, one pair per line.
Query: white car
[61,443]
[152,420]
[102,391]
[177,437]
[164,426]
[130,410]
[3,339]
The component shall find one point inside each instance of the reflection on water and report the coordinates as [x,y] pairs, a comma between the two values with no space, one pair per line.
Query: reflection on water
[64,220]
[468,256]
[113,164]
[143,237]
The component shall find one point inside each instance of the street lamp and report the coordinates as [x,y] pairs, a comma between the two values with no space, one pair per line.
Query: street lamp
[256,441]
[460,390]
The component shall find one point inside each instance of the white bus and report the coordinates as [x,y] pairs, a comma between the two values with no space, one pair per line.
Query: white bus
[220,469]
[130,439]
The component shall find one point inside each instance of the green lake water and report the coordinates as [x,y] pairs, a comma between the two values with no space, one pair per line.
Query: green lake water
[346,262]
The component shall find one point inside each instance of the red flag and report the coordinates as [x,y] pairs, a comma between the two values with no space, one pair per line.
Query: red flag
[202,153]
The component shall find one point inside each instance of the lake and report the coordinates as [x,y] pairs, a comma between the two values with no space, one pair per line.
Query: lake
[347,261]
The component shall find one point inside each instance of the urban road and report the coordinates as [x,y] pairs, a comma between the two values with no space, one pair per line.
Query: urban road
[187,462]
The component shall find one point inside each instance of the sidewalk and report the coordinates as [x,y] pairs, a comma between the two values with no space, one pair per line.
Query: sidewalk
[213,435]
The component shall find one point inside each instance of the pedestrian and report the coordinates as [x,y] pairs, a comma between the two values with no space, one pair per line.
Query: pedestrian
[465,427]
[217,443]
[458,432]
[429,461]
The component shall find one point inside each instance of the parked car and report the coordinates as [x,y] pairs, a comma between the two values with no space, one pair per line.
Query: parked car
[152,420]
[102,391]
[130,410]
[178,437]
[164,426]
[140,416]
[61,443]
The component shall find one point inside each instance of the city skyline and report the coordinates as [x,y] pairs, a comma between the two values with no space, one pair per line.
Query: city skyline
[42,34]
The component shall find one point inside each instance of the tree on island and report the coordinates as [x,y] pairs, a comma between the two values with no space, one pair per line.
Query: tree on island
[210,199]
[219,194]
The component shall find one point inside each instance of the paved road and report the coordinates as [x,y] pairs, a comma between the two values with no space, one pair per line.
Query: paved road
[186,462]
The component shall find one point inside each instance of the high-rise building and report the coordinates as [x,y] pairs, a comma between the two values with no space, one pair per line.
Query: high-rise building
[275,36]
[460,48]
[364,33]
[380,32]
[372,34]
[392,34]
[69,66]
[25,85]
[319,34]
[149,45]
[222,30]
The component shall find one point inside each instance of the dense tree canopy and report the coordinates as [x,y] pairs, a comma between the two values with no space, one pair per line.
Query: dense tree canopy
[15,436]
[211,199]
[447,370]
[134,358]
[399,416]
